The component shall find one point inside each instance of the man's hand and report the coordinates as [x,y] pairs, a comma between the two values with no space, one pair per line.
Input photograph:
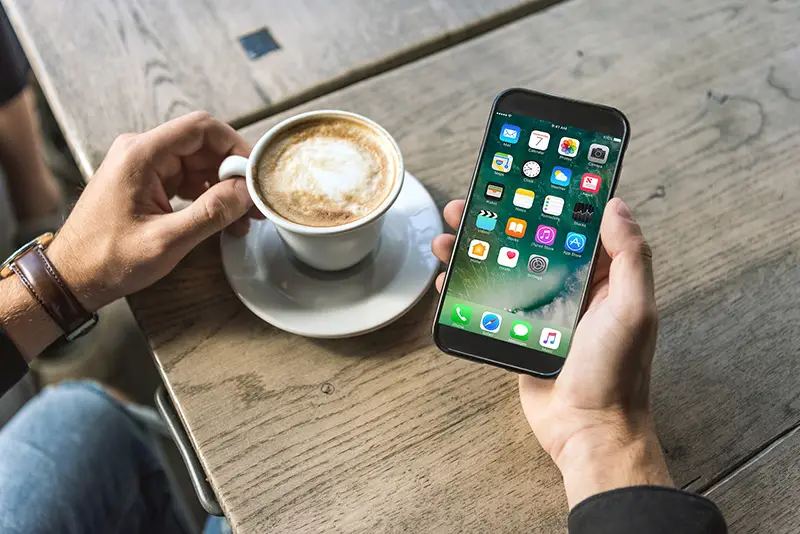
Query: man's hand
[595,419]
[123,234]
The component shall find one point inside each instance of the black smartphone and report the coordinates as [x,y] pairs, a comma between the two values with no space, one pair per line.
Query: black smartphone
[526,247]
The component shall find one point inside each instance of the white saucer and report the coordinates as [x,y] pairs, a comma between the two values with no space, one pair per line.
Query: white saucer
[296,298]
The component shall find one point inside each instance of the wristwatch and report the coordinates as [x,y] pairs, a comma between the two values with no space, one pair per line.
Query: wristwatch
[44,283]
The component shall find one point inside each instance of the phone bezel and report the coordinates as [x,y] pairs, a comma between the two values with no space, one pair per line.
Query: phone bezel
[575,113]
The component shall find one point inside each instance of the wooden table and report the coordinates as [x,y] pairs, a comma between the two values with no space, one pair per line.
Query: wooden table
[383,433]
[109,66]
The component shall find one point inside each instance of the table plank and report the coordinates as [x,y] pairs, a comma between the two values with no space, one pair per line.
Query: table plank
[113,66]
[414,440]
[762,495]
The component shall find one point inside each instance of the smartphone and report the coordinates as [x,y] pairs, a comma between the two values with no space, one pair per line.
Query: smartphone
[525,250]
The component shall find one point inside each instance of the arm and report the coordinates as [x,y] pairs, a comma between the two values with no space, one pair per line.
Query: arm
[25,322]
[595,419]
[122,234]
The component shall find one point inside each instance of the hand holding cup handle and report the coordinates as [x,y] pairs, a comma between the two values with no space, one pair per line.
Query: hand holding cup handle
[233,166]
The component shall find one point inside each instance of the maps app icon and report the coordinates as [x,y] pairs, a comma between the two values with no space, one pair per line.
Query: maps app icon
[509,133]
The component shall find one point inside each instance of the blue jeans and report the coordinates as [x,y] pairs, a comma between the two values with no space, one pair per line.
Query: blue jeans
[74,461]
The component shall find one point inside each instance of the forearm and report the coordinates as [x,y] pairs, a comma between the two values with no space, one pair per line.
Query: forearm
[24,320]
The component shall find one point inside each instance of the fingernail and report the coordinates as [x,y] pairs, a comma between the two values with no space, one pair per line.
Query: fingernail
[624,211]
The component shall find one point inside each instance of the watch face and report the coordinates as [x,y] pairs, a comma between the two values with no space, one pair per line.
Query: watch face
[531,169]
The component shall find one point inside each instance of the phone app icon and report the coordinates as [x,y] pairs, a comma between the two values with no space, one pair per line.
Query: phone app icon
[553,205]
[502,162]
[508,257]
[516,227]
[491,322]
[575,242]
[523,198]
[539,140]
[537,264]
[478,249]
[545,235]
[494,191]
[461,314]
[590,183]
[520,330]
[531,169]
[509,133]
[598,153]
[561,176]
[582,212]
[550,338]
[568,147]
[487,220]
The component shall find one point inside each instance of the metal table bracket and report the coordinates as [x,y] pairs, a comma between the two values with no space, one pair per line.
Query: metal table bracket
[198,477]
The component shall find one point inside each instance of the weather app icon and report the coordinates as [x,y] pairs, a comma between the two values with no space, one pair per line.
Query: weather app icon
[561,176]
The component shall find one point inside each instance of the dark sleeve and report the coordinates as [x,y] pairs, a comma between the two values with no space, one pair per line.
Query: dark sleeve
[13,65]
[646,509]
[12,365]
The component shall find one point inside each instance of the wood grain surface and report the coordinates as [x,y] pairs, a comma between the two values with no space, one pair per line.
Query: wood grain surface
[383,433]
[111,66]
[762,495]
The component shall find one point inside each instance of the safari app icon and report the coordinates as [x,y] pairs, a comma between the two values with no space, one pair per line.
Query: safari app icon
[490,322]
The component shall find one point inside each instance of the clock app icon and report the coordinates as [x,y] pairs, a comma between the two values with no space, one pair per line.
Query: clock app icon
[531,169]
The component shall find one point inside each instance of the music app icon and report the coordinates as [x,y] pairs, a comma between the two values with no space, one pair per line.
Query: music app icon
[545,235]
[549,338]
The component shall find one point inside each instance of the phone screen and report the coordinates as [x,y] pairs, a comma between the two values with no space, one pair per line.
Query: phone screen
[532,224]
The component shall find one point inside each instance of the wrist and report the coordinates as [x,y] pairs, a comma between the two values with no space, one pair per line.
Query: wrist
[602,459]
[80,278]
[24,320]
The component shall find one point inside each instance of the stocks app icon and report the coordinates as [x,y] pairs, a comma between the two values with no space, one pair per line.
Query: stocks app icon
[582,212]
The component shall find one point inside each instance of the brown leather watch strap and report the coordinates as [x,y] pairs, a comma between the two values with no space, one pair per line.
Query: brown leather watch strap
[42,280]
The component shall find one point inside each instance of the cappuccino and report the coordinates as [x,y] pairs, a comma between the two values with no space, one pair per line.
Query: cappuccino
[327,171]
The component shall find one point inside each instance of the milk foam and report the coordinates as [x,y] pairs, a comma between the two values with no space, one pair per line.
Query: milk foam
[326,172]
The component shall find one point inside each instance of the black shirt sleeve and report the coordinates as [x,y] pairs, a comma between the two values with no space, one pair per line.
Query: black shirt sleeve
[13,65]
[646,509]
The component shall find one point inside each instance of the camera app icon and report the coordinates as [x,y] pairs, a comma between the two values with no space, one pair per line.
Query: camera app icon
[598,153]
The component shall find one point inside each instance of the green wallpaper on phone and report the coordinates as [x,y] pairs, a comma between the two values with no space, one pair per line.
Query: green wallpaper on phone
[551,299]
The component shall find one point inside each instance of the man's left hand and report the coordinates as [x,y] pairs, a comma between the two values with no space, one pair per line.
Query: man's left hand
[123,235]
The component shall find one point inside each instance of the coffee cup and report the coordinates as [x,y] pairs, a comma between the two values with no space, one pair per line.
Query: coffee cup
[348,229]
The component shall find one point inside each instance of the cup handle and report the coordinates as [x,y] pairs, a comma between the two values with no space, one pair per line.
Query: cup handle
[233,166]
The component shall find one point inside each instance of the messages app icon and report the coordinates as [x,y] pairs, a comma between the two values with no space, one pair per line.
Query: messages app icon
[509,133]
[561,176]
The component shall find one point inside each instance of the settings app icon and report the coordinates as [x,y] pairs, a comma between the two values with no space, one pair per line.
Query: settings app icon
[537,264]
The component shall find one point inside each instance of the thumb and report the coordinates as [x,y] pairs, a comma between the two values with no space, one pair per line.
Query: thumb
[218,207]
[631,288]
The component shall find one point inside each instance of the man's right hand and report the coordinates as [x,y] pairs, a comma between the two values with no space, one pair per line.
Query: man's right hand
[595,419]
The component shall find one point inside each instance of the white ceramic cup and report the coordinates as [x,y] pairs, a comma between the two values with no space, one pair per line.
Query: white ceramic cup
[328,248]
